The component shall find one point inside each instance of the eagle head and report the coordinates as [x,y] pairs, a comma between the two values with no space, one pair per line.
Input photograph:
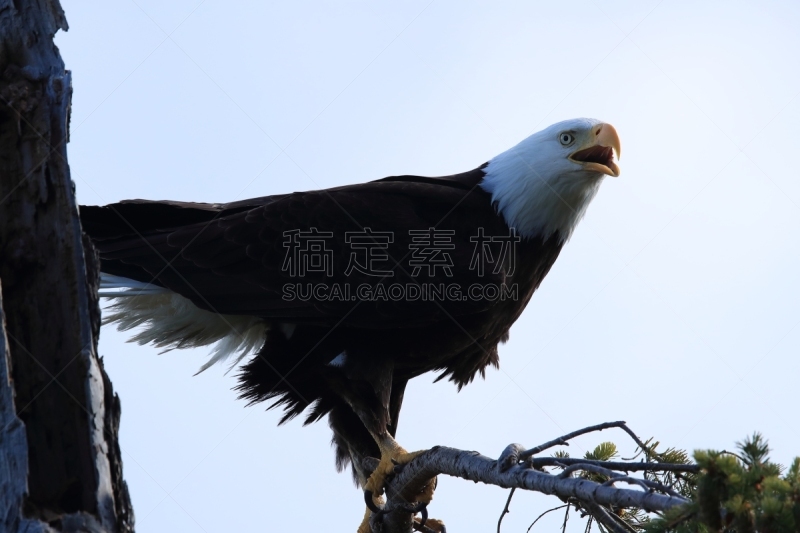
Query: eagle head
[543,185]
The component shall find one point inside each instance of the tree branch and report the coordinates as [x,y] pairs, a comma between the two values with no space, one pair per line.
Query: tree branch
[605,518]
[562,440]
[646,484]
[544,513]
[476,467]
[505,509]
[538,462]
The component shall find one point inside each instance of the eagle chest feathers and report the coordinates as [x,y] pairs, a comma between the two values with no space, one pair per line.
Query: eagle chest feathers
[340,296]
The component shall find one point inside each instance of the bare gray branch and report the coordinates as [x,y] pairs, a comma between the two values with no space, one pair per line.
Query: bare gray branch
[562,440]
[476,467]
[538,462]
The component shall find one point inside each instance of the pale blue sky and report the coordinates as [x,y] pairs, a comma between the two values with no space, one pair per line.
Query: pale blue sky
[673,307]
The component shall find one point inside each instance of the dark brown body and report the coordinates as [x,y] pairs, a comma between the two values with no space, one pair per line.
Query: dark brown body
[232,259]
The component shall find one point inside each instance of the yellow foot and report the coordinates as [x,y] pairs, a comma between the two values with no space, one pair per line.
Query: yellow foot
[391,454]
[432,523]
[389,458]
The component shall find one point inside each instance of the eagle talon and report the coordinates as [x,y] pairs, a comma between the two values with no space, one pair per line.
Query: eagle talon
[371,503]
[436,526]
[420,507]
[423,510]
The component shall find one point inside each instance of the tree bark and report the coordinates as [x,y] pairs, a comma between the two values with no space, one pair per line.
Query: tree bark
[64,471]
[402,489]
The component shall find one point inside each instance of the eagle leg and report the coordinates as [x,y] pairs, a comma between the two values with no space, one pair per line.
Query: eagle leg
[392,455]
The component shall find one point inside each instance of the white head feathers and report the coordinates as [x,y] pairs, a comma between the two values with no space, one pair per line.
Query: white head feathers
[542,186]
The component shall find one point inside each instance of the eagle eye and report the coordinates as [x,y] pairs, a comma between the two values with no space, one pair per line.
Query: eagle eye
[566,138]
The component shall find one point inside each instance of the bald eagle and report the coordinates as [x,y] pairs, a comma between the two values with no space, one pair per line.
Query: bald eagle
[338,297]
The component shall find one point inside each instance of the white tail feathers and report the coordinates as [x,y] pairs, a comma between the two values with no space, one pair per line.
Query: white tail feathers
[170,321]
[126,287]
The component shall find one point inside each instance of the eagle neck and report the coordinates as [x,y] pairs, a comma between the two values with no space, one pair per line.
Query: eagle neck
[538,201]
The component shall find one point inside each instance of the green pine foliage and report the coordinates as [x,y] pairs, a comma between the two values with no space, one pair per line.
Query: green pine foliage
[683,483]
[737,493]
[605,451]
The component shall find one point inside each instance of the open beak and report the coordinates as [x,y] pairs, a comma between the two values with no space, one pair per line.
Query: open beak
[603,153]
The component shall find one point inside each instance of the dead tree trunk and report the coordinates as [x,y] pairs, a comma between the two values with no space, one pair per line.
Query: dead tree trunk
[60,464]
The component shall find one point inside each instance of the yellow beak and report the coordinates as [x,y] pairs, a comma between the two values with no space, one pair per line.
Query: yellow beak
[603,151]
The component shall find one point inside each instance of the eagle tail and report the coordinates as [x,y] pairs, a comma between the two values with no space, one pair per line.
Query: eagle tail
[169,321]
[117,286]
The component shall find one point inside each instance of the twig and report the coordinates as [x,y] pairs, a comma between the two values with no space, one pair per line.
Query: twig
[614,465]
[645,484]
[505,509]
[609,521]
[599,427]
[588,468]
[742,459]
[637,440]
[544,513]
[566,518]
[562,440]
[616,476]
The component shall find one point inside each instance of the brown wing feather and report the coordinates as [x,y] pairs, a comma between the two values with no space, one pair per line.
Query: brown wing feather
[230,258]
